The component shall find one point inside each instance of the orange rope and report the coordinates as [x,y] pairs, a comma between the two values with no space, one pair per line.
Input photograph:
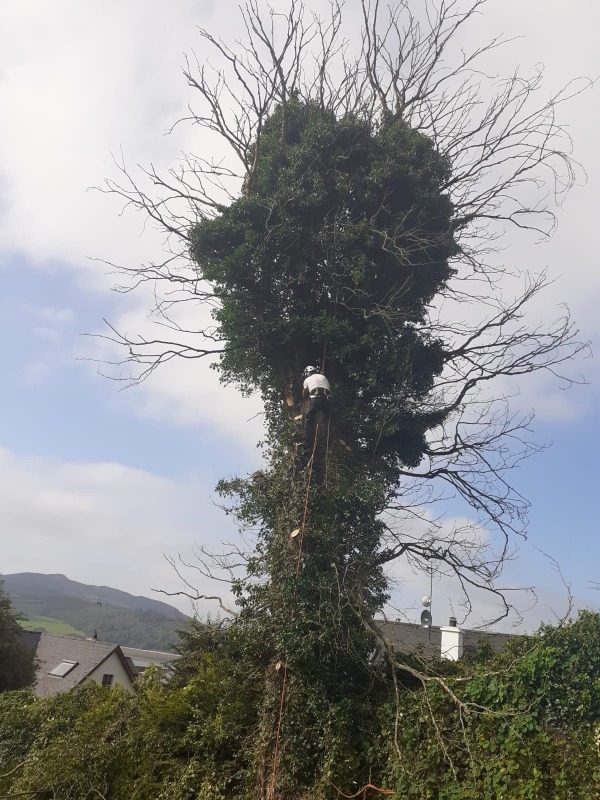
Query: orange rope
[279,721]
[302,528]
[305,514]
[363,791]
[285,666]
[323,359]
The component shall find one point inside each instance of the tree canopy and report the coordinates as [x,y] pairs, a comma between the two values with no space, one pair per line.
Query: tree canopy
[337,246]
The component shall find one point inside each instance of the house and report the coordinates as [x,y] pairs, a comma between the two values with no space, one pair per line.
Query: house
[66,661]
[447,641]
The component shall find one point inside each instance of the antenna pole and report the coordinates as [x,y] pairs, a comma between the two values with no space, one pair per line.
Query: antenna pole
[95,634]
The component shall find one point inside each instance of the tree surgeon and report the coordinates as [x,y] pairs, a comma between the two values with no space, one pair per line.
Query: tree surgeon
[317,390]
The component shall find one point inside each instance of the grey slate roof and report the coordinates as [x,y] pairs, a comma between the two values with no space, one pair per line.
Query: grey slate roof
[408,637]
[140,659]
[51,650]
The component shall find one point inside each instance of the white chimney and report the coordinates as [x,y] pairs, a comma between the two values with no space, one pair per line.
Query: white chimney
[452,641]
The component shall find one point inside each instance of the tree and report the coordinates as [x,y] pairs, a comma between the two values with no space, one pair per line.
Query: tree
[367,204]
[17,660]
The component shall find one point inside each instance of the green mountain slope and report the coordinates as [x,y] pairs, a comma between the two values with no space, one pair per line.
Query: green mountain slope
[59,605]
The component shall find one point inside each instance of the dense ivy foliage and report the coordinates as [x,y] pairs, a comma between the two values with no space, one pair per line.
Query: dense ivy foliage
[529,726]
[521,725]
[338,246]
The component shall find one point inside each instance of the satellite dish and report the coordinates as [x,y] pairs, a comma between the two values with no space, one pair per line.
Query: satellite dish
[425,619]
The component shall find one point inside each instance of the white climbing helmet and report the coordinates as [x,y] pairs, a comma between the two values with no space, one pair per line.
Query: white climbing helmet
[310,370]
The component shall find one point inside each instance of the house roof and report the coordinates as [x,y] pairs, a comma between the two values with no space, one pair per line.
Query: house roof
[86,655]
[407,637]
[141,659]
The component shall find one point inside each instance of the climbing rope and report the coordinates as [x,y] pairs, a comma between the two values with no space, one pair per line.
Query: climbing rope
[363,791]
[278,732]
[306,499]
[327,448]
[298,563]
[285,664]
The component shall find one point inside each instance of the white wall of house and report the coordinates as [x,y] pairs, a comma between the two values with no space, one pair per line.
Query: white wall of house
[112,666]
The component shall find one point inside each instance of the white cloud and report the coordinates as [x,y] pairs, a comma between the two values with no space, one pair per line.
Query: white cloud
[102,523]
[109,524]
[183,391]
[529,581]
[468,541]
[84,81]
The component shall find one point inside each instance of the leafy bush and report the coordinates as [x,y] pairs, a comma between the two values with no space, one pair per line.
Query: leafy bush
[520,725]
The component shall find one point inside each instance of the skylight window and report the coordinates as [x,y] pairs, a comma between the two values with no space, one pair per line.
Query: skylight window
[62,669]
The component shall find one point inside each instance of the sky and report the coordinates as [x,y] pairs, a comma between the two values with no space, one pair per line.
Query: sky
[106,485]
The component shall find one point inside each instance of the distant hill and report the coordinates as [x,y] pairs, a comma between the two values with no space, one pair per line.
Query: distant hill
[52,601]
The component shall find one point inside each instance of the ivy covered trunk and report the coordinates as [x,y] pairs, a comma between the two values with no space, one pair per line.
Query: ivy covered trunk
[330,258]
